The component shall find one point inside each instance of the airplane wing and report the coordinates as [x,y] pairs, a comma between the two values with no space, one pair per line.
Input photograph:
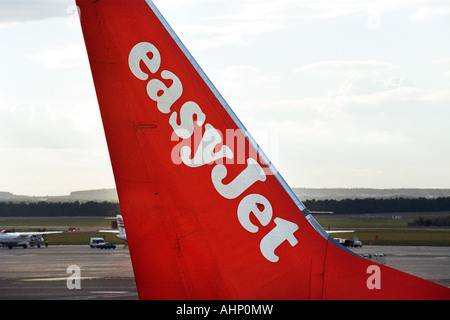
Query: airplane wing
[207,214]
[120,225]
[24,234]
[339,231]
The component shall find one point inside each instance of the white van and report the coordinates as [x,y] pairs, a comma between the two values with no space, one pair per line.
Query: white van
[96,241]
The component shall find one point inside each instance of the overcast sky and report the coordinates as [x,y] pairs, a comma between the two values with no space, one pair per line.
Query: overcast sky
[348,93]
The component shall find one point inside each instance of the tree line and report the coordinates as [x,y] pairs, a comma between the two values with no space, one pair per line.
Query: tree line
[346,206]
[355,206]
[59,209]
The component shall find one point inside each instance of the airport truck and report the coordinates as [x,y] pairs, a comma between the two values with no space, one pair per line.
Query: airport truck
[95,242]
[355,243]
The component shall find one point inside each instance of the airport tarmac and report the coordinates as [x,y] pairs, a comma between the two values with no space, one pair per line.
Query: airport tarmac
[430,263]
[42,274]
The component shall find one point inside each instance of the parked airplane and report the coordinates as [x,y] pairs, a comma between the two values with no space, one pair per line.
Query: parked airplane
[23,239]
[122,235]
[207,214]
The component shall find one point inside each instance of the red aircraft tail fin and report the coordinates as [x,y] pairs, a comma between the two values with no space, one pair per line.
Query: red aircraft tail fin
[207,215]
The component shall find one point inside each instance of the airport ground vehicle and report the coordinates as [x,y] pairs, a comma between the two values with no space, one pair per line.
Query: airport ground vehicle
[377,257]
[355,243]
[106,245]
[95,242]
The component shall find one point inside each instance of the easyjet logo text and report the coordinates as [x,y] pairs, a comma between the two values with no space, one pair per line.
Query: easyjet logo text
[211,149]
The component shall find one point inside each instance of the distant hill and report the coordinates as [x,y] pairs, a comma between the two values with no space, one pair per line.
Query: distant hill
[101,195]
[361,193]
[110,195]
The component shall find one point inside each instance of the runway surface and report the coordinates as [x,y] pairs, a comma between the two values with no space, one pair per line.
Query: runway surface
[41,274]
[430,263]
[29,274]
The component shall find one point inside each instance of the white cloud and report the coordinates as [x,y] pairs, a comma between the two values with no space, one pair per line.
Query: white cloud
[180,4]
[430,9]
[356,99]
[42,126]
[304,9]
[293,9]
[444,63]
[62,57]
[363,134]
[346,68]
[208,36]
[28,10]
[443,60]
[40,172]
[240,76]
[335,126]
[365,86]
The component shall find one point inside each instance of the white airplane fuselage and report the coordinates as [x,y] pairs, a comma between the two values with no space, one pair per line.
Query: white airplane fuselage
[23,239]
[13,240]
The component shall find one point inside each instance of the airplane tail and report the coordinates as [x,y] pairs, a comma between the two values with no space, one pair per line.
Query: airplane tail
[121,226]
[207,214]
